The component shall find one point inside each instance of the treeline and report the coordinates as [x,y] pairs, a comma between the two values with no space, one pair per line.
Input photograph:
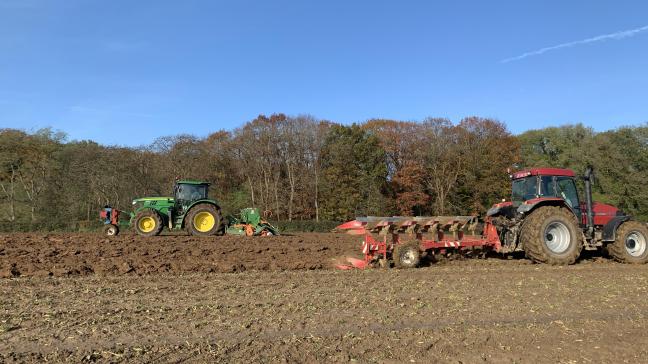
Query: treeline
[301,168]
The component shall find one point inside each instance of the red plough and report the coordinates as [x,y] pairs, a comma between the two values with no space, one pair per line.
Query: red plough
[404,240]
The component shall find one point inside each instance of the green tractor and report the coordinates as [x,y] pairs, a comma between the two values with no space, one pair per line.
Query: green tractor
[188,209]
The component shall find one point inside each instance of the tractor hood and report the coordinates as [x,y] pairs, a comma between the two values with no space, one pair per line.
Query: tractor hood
[603,213]
[601,208]
[145,199]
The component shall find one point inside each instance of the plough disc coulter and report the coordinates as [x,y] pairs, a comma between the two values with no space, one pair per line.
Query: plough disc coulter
[403,240]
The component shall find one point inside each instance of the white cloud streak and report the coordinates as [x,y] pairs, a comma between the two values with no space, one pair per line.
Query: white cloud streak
[600,38]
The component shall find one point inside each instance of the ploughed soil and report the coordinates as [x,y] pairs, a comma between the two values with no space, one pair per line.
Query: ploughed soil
[60,254]
[276,310]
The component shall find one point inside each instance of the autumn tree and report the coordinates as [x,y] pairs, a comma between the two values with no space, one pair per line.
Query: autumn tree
[302,168]
[354,172]
[404,144]
[488,151]
[444,161]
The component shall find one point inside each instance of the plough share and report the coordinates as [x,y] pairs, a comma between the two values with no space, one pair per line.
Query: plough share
[404,240]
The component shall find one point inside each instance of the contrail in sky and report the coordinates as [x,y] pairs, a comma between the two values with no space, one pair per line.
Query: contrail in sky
[613,36]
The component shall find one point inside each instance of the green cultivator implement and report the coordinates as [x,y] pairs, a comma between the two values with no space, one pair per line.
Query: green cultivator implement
[189,209]
[250,223]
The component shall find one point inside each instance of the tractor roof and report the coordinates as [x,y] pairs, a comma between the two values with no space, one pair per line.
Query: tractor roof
[544,172]
[192,182]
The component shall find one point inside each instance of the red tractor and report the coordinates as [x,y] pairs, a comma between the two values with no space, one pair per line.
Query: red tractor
[545,218]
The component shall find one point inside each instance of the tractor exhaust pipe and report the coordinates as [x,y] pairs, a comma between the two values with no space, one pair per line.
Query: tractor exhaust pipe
[589,179]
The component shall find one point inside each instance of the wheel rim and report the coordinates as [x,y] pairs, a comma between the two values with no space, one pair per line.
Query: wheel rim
[204,221]
[557,237]
[146,224]
[408,257]
[111,231]
[635,244]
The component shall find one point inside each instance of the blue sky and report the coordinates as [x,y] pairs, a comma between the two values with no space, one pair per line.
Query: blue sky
[126,72]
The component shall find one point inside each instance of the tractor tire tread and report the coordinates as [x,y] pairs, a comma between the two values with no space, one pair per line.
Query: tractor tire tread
[532,239]
[159,223]
[108,227]
[617,249]
[220,226]
[401,247]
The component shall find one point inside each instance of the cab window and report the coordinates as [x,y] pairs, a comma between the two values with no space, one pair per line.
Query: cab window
[547,186]
[524,189]
[187,192]
[567,190]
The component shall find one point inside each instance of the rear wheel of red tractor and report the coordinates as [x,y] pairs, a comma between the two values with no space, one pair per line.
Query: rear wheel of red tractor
[148,223]
[407,255]
[204,220]
[631,244]
[551,235]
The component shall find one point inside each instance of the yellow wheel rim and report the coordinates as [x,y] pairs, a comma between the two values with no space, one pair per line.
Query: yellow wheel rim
[146,224]
[204,221]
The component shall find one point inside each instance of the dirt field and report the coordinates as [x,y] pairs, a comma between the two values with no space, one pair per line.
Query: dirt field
[72,299]
[23,255]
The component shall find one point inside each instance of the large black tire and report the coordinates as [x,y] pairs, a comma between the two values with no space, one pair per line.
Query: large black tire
[407,255]
[111,230]
[631,244]
[148,223]
[551,235]
[223,225]
[204,220]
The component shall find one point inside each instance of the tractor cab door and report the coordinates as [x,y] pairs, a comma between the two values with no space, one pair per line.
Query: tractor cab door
[179,204]
[561,187]
[566,189]
[182,198]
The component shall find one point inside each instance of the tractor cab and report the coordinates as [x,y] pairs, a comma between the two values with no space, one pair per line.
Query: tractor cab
[190,190]
[185,193]
[546,183]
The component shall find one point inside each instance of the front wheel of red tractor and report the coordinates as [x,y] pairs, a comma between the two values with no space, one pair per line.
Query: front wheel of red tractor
[631,243]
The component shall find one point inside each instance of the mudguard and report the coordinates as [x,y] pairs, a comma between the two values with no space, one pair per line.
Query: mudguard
[532,204]
[610,229]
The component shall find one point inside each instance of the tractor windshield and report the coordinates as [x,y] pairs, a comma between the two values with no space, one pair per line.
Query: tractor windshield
[190,192]
[524,189]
